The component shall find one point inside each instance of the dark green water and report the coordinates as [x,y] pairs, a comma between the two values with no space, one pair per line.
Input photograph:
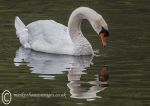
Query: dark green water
[126,58]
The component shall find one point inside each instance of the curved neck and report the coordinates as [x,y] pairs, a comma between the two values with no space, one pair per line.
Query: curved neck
[74,23]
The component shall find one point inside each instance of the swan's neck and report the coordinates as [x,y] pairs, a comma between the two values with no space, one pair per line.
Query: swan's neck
[74,23]
[81,44]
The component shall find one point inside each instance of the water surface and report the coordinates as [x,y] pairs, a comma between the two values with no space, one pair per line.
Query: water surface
[84,80]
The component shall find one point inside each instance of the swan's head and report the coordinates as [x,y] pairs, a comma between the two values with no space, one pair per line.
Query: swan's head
[101,28]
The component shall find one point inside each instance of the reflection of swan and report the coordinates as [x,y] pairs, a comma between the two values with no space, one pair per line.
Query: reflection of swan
[46,65]
[51,37]
[43,63]
[77,91]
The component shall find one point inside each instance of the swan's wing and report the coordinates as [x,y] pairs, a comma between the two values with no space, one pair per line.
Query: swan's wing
[49,35]
[49,30]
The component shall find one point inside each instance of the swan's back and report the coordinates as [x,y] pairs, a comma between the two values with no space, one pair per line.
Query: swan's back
[49,29]
[49,36]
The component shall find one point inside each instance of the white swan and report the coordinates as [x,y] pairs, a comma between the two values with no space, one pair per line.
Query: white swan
[51,37]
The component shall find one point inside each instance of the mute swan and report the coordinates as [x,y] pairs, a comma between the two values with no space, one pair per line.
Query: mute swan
[51,37]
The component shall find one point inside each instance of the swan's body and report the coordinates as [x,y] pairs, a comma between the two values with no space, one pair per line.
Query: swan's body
[51,37]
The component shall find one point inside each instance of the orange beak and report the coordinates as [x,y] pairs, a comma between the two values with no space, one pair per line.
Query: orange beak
[103,39]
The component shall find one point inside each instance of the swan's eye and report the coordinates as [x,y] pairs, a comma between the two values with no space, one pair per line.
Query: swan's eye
[105,32]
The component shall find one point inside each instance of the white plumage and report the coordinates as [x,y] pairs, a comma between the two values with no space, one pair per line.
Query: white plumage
[51,37]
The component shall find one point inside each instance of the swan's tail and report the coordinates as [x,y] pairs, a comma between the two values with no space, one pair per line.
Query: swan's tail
[22,32]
